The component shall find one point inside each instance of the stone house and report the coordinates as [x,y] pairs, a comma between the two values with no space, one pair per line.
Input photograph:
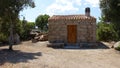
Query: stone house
[72,29]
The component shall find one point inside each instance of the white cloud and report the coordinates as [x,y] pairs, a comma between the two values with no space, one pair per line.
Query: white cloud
[63,6]
[93,3]
[69,6]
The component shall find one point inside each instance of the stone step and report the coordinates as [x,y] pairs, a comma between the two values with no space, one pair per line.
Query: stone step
[71,47]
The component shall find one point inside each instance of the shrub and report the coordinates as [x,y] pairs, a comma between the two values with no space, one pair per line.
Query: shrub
[25,32]
[105,32]
[3,37]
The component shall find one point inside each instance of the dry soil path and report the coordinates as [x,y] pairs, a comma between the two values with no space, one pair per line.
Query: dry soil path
[37,55]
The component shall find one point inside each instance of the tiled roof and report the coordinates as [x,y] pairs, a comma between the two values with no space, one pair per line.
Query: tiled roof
[71,17]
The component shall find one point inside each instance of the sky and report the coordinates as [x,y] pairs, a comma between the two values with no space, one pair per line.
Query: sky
[60,7]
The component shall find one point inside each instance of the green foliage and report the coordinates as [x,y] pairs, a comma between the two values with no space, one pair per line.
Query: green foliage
[9,13]
[3,37]
[110,9]
[111,12]
[25,32]
[4,27]
[30,25]
[10,9]
[42,21]
[105,32]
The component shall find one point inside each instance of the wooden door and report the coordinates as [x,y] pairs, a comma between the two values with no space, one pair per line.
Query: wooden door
[72,33]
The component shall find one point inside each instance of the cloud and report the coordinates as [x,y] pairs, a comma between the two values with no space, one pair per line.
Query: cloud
[69,6]
[93,3]
[63,6]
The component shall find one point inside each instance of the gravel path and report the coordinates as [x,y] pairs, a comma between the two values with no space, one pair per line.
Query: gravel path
[37,55]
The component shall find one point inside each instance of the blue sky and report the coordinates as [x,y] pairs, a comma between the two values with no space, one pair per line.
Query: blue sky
[60,7]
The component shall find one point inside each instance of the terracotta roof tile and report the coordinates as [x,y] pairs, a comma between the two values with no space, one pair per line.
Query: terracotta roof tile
[69,17]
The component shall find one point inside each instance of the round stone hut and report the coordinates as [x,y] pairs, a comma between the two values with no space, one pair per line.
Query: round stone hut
[72,29]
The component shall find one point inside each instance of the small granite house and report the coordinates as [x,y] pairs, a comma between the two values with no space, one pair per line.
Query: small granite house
[72,29]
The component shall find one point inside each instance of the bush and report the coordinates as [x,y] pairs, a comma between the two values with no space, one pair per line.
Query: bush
[3,37]
[105,32]
[25,32]
[22,29]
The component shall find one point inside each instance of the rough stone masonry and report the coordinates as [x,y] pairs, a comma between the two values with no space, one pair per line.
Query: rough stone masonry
[84,30]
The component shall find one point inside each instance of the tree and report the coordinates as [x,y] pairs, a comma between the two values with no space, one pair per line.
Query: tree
[42,21]
[105,31]
[9,12]
[111,11]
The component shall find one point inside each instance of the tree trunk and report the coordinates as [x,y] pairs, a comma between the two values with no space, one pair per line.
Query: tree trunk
[11,38]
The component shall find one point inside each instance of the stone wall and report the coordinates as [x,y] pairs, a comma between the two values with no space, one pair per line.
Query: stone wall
[86,30]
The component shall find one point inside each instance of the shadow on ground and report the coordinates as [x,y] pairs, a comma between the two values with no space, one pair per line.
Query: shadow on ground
[99,45]
[6,44]
[16,56]
[3,44]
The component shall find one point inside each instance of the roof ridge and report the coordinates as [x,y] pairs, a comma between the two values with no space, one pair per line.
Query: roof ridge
[77,16]
[71,15]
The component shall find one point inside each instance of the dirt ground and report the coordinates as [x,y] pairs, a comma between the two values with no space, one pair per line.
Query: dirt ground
[38,55]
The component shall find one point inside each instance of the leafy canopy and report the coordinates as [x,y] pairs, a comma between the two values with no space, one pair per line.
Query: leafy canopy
[105,32]
[9,13]
[111,13]
[11,8]
[111,10]
[42,21]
